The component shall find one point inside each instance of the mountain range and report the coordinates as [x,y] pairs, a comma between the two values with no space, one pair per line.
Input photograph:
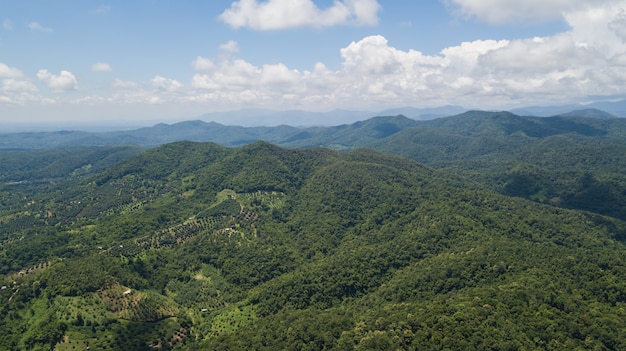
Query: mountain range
[228,135]
[540,158]
[477,231]
[196,246]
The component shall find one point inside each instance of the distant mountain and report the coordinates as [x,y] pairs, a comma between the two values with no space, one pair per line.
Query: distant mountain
[616,108]
[203,131]
[348,136]
[344,136]
[545,111]
[62,162]
[150,136]
[561,151]
[588,113]
[424,113]
[476,135]
[562,160]
[298,118]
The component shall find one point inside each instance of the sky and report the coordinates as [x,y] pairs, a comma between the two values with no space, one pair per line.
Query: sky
[140,61]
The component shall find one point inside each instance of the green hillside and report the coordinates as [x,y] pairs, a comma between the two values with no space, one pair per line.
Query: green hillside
[572,160]
[569,162]
[195,246]
[38,165]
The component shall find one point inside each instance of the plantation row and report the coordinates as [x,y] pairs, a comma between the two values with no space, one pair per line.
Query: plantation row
[220,219]
[167,237]
[270,199]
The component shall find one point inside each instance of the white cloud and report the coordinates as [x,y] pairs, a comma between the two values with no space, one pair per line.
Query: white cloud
[280,14]
[481,73]
[500,12]
[65,81]
[237,74]
[9,72]
[18,85]
[600,28]
[278,74]
[165,84]
[589,59]
[230,46]
[240,75]
[202,64]
[120,84]
[36,26]
[618,25]
[203,81]
[129,92]
[15,88]
[101,67]
[14,83]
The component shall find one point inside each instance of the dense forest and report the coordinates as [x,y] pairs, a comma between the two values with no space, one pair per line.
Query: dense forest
[512,242]
[574,160]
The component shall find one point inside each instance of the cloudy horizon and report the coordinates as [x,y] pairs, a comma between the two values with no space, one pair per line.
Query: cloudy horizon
[151,61]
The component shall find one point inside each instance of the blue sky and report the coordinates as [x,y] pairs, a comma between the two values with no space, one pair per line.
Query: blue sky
[146,60]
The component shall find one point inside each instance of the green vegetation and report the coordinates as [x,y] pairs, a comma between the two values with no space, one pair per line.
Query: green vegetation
[562,161]
[195,246]
[548,160]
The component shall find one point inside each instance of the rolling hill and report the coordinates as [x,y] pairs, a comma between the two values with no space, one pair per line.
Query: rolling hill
[565,161]
[573,160]
[195,246]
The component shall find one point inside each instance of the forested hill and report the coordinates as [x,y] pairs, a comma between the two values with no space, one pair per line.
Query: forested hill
[575,160]
[195,246]
[565,161]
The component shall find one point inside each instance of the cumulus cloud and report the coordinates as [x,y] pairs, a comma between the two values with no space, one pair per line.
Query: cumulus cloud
[64,81]
[165,84]
[121,84]
[589,59]
[9,72]
[15,87]
[36,26]
[13,80]
[162,90]
[481,73]
[280,14]
[240,75]
[202,64]
[101,67]
[230,46]
[499,12]
[618,25]
[18,85]
[600,27]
